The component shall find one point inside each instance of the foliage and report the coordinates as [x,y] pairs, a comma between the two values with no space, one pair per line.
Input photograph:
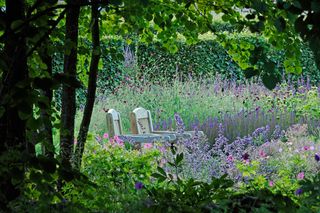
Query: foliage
[189,195]
[209,57]
[179,195]
[39,189]
[114,169]
[311,192]
[206,58]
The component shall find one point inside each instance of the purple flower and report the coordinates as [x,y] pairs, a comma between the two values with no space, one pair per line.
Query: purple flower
[179,123]
[138,185]
[245,156]
[299,191]
[317,157]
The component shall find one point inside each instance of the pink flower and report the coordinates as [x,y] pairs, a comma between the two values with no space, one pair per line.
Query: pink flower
[147,145]
[246,162]
[271,183]
[105,135]
[262,154]
[118,140]
[230,158]
[120,143]
[306,148]
[300,176]
[311,147]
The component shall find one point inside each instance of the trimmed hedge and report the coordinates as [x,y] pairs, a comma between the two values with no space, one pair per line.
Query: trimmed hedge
[210,58]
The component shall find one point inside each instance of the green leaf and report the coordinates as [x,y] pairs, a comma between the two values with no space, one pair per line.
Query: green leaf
[269,67]
[162,172]
[16,24]
[259,6]
[250,72]
[297,4]
[270,81]
[23,116]
[158,176]
[315,6]
[280,24]
[179,158]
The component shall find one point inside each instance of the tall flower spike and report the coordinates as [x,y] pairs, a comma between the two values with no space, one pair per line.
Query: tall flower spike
[179,123]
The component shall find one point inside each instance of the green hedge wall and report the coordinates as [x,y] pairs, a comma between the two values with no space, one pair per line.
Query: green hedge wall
[205,58]
[210,58]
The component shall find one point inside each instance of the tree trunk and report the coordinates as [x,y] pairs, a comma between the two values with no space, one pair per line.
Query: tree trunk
[68,109]
[12,127]
[48,147]
[92,85]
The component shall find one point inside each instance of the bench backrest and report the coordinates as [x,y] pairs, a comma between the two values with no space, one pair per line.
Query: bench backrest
[141,122]
[114,124]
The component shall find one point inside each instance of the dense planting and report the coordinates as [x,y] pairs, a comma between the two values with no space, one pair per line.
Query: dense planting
[232,88]
[261,149]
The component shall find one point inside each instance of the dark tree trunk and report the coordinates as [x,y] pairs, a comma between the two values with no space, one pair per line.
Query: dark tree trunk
[48,147]
[68,109]
[12,99]
[92,85]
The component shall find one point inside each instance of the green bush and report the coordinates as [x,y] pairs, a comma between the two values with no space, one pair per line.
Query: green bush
[114,170]
[203,59]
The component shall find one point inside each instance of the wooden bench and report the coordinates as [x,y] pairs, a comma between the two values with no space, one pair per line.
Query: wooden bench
[114,126]
[141,123]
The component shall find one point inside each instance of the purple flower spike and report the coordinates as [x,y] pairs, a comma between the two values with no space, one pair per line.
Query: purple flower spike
[138,185]
[317,157]
[299,191]
[179,123]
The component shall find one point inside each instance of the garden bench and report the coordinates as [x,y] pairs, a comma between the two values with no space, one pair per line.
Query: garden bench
[141,123]
[114,126]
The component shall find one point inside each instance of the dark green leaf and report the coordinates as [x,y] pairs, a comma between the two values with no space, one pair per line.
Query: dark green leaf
[47,164]
[280,24]
[158,176]
[179,158]
[315,6]
[270,81]
[250,72]
[16,24]
[161,170]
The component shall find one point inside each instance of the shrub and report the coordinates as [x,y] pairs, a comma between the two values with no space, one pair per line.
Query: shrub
[115,171]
